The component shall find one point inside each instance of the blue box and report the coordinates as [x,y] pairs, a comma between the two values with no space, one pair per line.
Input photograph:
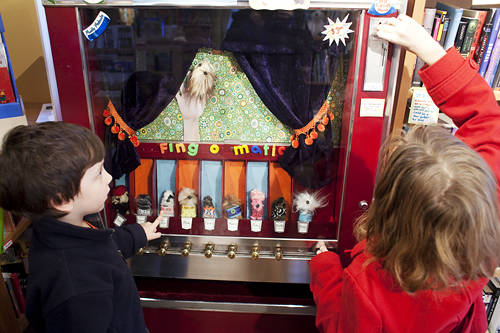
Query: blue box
[15,109]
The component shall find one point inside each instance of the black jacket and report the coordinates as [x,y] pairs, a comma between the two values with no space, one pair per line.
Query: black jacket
[79,280]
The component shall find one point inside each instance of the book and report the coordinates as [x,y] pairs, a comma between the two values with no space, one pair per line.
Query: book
[6,279]
[18,292]
[489,44]
[488,24]
[481,18]
[455,14]
[427,23]
[496,81]
[442,15]
[437,24]
[495,287]
[459,40]
[445,30]
[469,35]
[493,63]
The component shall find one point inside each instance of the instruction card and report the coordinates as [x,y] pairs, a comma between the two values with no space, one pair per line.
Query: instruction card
[422,110]
[372,107]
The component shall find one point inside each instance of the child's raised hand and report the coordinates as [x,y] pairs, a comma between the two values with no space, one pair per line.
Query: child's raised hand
[150,228]
[408,33]
[321,246]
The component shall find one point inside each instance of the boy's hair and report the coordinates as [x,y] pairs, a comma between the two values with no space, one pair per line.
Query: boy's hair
[43,165]
[434,220]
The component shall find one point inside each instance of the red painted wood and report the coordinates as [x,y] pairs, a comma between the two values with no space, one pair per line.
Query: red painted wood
[63,32]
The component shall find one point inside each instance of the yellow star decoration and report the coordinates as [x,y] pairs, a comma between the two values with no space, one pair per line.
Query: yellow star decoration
[336,31]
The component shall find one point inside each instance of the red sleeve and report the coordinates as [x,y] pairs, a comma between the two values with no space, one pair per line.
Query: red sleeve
[342,305]
[461,93]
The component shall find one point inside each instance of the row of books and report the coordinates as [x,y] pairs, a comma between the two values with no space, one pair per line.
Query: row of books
[16,293]
[473,32]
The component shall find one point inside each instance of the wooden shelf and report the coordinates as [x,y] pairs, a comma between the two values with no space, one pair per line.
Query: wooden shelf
[11,236]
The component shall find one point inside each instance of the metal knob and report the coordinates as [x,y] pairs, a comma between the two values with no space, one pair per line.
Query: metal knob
[186,248]
[278,253]
[231,251]
[140,252]
[363,205]
[209,249]
[163,248]
[255,252]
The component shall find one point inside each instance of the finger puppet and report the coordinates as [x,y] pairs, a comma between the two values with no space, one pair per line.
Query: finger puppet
[201,80]
[208,207]
[167,203]
[119,200]
[257,203]
[278,211]
[306,204]
[144,204]
[188,201]
[231,206]
[193,96]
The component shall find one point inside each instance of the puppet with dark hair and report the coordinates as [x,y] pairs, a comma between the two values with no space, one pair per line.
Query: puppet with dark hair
[277,52]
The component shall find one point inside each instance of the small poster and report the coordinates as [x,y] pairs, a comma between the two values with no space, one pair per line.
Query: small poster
[422,110]
[372,107]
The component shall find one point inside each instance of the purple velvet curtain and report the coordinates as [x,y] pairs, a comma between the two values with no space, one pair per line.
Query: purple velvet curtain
[278,54]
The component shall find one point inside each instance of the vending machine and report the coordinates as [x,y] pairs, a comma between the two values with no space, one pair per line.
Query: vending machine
[253,126]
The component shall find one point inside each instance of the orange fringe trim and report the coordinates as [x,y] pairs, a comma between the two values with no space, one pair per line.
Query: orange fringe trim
[318,122]
[120,126]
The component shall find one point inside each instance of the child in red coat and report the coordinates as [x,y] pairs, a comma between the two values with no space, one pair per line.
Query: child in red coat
[431,237]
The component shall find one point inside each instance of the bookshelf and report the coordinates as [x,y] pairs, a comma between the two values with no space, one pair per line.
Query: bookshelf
[9,323]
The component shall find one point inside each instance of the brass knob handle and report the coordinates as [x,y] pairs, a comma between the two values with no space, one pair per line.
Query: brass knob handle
[231,251]
[163,248]
[255,252]
[140,252]
[186,248]
[209,248]
[278,253]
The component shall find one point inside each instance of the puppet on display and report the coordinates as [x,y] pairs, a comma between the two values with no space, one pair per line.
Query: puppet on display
[208,207]
[120,200]
[306,203]
[167,203]
[278,210]
[144,204]
[188,201]
[257,202]
[193,96]
[231,206]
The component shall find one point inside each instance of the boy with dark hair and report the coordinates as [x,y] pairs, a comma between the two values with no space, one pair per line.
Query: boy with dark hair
[79,281]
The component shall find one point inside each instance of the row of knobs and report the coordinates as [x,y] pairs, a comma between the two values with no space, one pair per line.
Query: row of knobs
[209,250]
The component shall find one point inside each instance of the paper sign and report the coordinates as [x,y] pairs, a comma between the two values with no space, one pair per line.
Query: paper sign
[256,225]
[232,224]
[279,226]
[422,110]
[209,224]
[186,223]
[141,219]
[119,219]
[302,227]
[165,220]
[372,107]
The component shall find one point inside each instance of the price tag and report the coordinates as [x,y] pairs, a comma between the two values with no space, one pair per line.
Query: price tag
[141,219]
[303,227]
[209,224]
[232,224]
[186,222]
[164,222]
[279,226]
[256,225]
[119,220]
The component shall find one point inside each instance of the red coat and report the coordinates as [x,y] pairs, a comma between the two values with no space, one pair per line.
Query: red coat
[366,299]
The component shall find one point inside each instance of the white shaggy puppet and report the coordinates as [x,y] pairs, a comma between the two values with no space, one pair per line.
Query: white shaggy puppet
[188,202]
[193,96]
[306,204]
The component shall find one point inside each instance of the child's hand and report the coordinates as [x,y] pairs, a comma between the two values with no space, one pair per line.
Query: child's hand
[408,33]
[150,228]
[321,247]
